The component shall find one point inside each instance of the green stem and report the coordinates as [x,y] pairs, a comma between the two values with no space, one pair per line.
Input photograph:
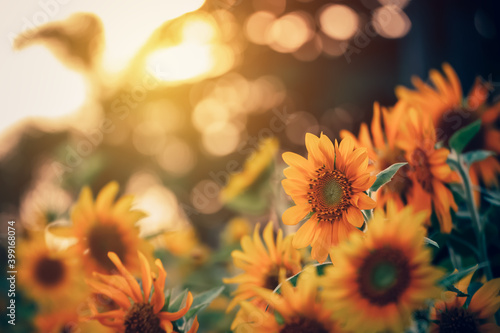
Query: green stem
[461,167]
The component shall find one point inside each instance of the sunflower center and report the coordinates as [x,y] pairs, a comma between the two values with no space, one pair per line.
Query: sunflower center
[68,328]
[455,119]
[304,325]
[457,320]
[103,239]
[384,276]
[272,278]
[49,272]
[142,319]
[329,194]
[422,169]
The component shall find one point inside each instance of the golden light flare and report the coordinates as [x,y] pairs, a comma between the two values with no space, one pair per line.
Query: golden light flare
[147,16]
[339,21]
[200,54]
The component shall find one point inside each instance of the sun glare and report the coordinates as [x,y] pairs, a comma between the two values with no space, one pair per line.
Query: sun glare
[197,56]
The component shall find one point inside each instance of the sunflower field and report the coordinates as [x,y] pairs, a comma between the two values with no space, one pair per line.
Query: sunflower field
[250,166]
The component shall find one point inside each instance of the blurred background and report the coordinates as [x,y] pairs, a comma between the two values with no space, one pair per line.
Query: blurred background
[170,97]
[166,93]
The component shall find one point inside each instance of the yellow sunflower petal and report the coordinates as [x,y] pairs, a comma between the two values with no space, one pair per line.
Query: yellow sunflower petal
[295,214]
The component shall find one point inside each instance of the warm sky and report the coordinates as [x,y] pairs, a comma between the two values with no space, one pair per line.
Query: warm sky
[34,83]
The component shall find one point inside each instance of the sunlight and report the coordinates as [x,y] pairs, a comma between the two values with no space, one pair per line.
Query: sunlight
[199,55]
[181,62]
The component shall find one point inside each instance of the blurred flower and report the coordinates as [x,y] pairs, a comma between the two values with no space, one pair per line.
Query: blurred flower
[104,226]
[42,204]
[262,266]
[138,311]
[67,320]
[378,280]
[429,171]
[302,309]
[331,185]
[52,278]
[254,176]
[235,230]
[383,150]
[450,315]
[449,113]
[180,242]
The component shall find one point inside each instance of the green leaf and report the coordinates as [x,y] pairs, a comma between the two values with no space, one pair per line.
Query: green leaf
[462,137]
[476,156]
[177,302]
[279,318]
[386,175]
[201,301]
[492,197]
[453,278]
[429,241]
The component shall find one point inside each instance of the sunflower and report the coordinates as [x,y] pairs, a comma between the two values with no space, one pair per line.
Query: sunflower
[235,230]
[444,103]
[330,184]
[104,226]
[450,315]
[52,278]
[138,310]
[378,280]
[301,309]
[383,150]
[262,265]
[256,168]
[429,172]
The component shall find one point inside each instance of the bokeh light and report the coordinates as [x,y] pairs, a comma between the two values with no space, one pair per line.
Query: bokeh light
[391,22]
[289,33]
[221,138]
[338,21]
[258,25]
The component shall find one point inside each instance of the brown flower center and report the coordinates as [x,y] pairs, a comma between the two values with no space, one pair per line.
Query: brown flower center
[49,272]
[457,320]
[69,328]
[330,194]
[455,119]
[273,279]
[304,325]
[422,169]
[384,276]
[104,238]
[142,319]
